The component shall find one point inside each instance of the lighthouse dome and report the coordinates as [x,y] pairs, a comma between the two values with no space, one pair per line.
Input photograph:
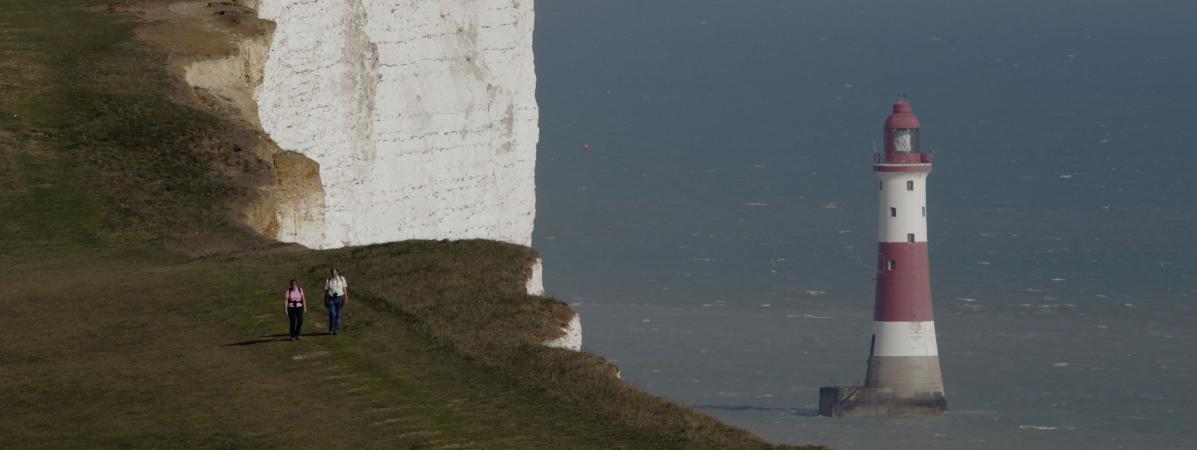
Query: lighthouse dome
[903,117]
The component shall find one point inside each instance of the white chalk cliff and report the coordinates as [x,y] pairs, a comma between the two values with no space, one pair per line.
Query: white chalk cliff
[572,339]
[421,115]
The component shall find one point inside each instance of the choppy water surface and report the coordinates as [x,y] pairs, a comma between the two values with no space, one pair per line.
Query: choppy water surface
[718,235]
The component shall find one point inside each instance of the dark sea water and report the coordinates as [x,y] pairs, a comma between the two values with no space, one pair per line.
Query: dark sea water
[718,235]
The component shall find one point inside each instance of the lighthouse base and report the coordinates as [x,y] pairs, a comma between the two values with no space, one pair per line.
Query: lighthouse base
[859,401]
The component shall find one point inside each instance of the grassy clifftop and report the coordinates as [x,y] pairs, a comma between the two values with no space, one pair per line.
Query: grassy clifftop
[140,314]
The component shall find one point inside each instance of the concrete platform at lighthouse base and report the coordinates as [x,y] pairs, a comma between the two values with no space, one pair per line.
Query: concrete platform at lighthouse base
[859,401]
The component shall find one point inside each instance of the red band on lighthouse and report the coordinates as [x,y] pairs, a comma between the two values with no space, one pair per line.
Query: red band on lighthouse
[903,283]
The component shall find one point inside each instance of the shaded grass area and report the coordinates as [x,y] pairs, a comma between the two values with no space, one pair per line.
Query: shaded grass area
[120,131]
[115,339]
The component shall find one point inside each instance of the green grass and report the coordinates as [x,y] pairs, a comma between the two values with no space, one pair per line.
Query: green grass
[139,315]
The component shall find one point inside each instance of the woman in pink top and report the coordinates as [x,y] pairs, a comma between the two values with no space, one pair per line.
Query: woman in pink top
[295,304]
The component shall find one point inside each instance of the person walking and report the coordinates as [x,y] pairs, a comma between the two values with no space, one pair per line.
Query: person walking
[295,304]
[336,295]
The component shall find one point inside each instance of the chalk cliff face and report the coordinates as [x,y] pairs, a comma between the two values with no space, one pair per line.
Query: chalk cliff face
[420,114]
[572,337]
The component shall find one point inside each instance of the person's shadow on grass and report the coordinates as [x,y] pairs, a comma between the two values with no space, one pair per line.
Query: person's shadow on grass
[270,338]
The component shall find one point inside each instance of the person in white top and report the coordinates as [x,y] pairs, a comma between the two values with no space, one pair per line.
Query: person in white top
[336,295]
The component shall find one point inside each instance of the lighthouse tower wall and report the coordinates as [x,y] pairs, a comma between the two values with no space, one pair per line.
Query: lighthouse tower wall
[904,355]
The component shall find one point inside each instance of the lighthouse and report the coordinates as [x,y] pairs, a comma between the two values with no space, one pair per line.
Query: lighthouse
[903,373]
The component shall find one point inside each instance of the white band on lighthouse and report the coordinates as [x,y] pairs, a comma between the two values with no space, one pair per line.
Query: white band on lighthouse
[902,207]
[904,339]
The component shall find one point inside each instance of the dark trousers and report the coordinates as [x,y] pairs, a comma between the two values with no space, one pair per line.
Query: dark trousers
[335,305]
[295,317]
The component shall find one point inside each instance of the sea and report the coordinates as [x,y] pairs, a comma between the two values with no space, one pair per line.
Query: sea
[706,202]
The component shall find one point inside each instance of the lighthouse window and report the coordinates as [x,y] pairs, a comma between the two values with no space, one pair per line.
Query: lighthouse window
[924,211]
[910,185]
[893,212]
[881,185]
[909,237]
[904,140]
[892,264]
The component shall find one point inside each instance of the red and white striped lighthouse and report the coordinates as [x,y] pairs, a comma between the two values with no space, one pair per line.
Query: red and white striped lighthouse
[903,355]
[904,374]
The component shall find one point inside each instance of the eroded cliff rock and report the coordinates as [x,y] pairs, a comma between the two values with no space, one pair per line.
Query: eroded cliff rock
[421,116]
[571,339]
[219,49]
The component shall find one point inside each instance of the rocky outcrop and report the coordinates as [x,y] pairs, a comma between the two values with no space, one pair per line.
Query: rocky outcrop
[535,284]
[219,49]
[572,339]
